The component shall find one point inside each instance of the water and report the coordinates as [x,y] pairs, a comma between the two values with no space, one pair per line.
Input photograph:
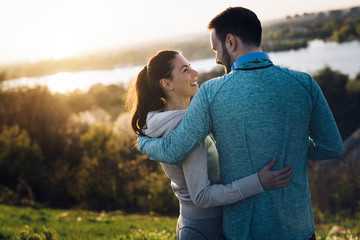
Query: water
[342,57]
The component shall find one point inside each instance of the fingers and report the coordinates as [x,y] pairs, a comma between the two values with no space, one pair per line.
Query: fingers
[275,179]
[281,171]
[282,183]
[268,166]
[284,175]
[283,180]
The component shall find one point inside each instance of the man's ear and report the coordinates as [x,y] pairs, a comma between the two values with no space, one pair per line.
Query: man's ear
[230,42]
[166,84]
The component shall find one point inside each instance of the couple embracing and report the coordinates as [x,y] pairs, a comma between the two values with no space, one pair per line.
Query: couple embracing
[236,154]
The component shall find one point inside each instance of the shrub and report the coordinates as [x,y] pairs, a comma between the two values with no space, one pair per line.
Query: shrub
[20,166]
[28,233]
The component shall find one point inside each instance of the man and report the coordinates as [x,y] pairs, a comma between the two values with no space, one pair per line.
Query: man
[256,111]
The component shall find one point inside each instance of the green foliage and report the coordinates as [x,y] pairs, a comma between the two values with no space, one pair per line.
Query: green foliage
[27,233]
[160,198]
[18,155]
[114,175]
[43,117]
[333,192]
[346,30]
[297,31]
[20,158]
[110,98]
[99,182]
[353,86]
[65,160]
[283,45]
[345,104]
[36,109]
[332,83]
[78,101]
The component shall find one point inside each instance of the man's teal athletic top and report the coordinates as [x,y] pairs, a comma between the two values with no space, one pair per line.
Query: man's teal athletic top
[256,112]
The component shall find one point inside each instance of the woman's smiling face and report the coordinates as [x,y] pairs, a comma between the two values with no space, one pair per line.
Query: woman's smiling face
[184,78]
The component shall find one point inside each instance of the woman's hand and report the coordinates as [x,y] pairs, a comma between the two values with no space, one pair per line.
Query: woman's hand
[274,179]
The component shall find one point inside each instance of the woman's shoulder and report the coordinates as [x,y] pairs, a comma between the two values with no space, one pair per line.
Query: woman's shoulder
[160,124]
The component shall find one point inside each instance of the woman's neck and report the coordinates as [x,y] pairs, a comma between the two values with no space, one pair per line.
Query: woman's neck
[176,104]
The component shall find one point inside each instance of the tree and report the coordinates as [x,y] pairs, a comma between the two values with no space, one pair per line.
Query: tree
[111,98]
[344,107]
[20,160]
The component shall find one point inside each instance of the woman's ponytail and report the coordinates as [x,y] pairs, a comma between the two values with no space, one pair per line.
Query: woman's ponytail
[146,94]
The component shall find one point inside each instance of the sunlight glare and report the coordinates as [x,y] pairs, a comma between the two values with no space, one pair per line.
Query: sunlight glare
[63,82]
[63,44]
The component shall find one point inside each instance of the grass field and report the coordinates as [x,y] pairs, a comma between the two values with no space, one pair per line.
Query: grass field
[44,224]
[81,225]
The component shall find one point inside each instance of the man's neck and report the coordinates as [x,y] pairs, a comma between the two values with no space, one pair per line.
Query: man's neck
[244,51]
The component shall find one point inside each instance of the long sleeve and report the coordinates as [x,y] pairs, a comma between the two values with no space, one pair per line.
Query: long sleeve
[193,129]
[325,141]
[205,195]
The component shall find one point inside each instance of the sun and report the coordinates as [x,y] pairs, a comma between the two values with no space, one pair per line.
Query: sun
[62,53]
[63,44]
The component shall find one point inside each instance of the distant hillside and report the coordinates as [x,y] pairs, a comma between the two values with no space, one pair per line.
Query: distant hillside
[296,31]
[293,32]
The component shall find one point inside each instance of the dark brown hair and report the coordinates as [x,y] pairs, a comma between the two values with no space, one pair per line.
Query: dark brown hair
[240,22]
[146,94]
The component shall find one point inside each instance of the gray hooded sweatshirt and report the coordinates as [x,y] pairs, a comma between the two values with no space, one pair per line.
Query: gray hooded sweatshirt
[196,180]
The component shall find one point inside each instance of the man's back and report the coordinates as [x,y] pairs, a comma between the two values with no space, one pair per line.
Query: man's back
[258,114]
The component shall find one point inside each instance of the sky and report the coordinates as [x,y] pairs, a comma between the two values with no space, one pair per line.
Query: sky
[33,30]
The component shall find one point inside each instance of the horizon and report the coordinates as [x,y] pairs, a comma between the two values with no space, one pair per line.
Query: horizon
[43,30]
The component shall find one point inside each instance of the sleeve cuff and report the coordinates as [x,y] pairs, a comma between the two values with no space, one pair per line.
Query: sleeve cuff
[249,186]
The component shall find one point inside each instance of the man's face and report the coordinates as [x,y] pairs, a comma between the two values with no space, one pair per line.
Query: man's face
[222,55]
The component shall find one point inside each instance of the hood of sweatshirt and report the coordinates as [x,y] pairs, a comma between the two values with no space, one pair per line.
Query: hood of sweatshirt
[160,124]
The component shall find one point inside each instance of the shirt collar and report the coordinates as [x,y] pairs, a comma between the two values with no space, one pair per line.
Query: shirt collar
[249,57]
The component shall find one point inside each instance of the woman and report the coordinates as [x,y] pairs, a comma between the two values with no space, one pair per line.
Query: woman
[161,95]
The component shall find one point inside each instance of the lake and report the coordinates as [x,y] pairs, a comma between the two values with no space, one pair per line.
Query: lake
[343,57]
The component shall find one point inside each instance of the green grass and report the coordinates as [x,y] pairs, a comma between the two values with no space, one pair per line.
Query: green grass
[81,225]
[339,227]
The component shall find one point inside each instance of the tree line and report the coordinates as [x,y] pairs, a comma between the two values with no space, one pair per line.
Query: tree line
[77,150]
[296,32]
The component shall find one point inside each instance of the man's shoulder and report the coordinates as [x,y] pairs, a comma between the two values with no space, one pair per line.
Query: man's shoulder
[302,78]
[217,82]
[212,86]
[293,73]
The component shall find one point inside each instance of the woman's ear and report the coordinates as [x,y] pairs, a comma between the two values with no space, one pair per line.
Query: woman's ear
[166,84]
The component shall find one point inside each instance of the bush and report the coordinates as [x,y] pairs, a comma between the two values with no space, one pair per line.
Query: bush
[343,104]
[20,166]
[27,233]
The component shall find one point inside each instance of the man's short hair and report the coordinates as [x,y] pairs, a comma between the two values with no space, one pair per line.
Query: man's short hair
[240,22]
